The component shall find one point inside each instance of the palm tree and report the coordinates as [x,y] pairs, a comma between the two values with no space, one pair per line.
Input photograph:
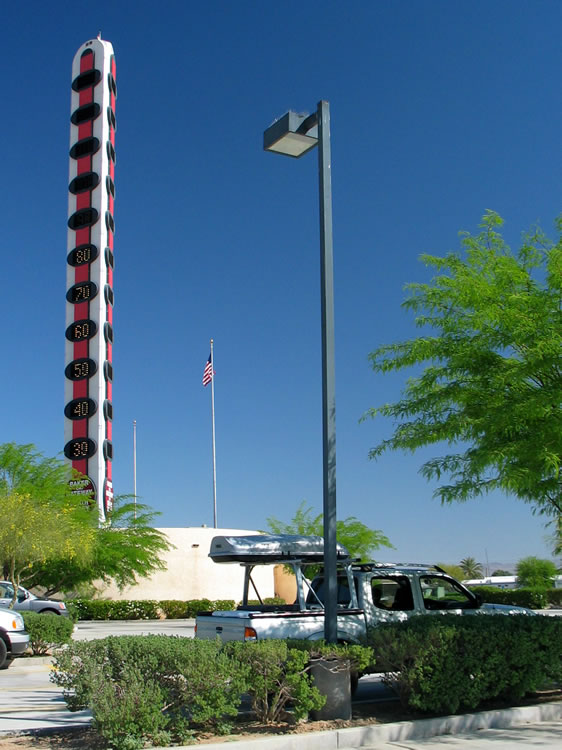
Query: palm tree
[471,568]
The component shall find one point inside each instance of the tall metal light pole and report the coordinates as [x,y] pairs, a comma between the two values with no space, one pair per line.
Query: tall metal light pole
[135,463]
[294,135]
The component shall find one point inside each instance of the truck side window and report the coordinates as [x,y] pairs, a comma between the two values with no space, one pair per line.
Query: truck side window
[392,593]
[344,595]
[444,593]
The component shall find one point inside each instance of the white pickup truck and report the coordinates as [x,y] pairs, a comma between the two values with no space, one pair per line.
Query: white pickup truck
[368,593]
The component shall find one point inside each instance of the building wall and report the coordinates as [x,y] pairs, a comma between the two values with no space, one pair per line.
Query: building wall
[501,582]
[285,584]
[191,574]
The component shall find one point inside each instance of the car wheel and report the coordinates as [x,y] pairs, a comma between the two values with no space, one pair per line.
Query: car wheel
[48,612]
[4,661]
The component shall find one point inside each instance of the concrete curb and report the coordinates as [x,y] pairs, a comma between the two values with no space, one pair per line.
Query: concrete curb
[354,737]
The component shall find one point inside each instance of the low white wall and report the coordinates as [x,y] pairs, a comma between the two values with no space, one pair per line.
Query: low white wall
[191,574]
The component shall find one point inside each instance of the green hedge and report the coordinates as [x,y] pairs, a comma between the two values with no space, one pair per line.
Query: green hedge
[524,597]
[440,664]
[47,632]
[164,689]
[275,601]
[105,609]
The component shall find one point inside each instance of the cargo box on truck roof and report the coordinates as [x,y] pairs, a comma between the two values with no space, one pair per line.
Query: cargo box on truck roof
[271,549]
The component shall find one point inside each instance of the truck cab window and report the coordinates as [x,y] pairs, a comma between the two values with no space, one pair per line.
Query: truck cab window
[443,593]
[344,595]
[392,593]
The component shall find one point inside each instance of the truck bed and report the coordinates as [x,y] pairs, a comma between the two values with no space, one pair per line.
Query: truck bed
[283,623]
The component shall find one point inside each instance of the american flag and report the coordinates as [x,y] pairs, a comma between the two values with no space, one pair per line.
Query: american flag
[208,372]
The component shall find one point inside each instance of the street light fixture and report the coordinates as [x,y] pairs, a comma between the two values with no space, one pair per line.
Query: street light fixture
[292,135]
[295,135]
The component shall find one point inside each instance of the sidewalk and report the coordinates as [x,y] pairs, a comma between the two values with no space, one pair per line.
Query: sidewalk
[26,706]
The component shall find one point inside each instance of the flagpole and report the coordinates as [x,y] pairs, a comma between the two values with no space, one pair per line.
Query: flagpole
[214,453]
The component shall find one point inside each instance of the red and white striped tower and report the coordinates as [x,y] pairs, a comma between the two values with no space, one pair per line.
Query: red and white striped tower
[89,307]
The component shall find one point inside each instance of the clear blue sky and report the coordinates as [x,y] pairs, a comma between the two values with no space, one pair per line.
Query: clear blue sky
[440,110]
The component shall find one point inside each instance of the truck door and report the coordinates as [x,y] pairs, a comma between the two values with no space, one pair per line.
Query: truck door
[392,598]
[442,594]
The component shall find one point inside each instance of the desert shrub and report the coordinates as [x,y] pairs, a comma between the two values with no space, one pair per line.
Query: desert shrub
[444,663]
[47,632]
[277,676]
[76,671]
[128,713]
[187,682]
[360,657]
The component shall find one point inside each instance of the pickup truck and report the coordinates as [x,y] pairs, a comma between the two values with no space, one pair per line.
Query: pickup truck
[368,593]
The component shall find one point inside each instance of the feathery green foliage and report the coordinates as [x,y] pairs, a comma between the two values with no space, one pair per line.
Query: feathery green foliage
[42,519]
[491,383]
[359,539]
[127,547]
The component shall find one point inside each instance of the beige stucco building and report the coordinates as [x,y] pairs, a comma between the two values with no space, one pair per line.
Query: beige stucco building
[191,574]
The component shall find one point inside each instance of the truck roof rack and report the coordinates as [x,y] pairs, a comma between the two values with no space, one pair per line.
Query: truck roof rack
[271,549]
[381,565]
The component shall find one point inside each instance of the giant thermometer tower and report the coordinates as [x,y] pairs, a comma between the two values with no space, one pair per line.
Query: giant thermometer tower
[88,371]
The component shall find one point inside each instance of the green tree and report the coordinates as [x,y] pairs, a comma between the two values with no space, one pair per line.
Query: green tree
[491,376]
[126,548]
[41,518]
[471,568]
[536,572]
[501,572]
[359,539]
[454,571]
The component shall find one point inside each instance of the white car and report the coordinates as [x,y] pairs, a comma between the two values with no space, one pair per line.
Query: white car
[14,638]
